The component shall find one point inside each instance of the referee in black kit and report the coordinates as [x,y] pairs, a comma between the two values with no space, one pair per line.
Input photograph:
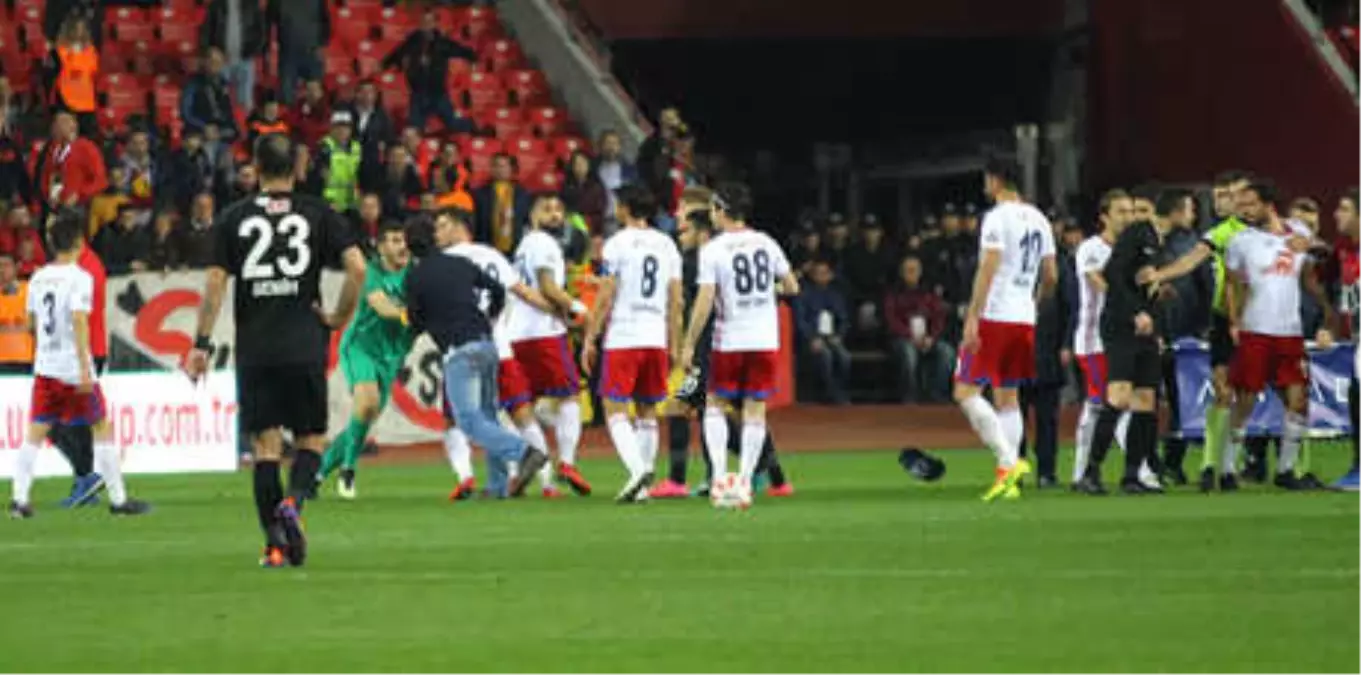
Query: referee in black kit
[1134,366]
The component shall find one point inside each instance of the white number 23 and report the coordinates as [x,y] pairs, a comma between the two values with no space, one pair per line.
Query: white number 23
[292,264]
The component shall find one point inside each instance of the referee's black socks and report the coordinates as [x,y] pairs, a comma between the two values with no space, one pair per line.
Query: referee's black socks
[1102,437]
[302,478]
[1141,442]
[269,491]
[678,436]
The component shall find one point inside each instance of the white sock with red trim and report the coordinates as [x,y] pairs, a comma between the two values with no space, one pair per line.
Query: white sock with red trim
[626,443]
[109,463]
[459,452]
[716,440]
[983,418]
[568,430]
[649,437]
[23,474]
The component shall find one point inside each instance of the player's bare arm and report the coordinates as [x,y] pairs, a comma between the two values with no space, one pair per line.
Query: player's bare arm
[1049,277]
[789,285]
[1179,268]
[1098,281]
[604,302]
[1315,289]
[385,307]
[355,269]
[562,302]
[699,316]
[675,323]
[214,288]
[80,321]
[531,297]
[988,263]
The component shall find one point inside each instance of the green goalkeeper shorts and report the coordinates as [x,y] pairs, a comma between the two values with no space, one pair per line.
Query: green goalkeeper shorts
[361,367]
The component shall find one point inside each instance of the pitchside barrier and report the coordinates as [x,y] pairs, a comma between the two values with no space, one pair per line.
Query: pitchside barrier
[167,425]
[1330,373]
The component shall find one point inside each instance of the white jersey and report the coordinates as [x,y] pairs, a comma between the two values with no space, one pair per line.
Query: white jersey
[744,266]
[1092,255]
[54,293]
[643,263]
[1024,237]
[537,251]
[497,267]
[1271,272]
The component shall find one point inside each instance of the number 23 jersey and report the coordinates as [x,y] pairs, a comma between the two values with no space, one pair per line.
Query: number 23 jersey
[276,245]
[1024,238]
[643,263]
[744,266]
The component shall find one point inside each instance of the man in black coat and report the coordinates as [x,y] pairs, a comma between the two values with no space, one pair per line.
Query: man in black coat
[206,100]
[424,56]
[1185,315]
[1053,353]
[237,27]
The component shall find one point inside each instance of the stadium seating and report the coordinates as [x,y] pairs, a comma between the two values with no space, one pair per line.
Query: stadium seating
[148,53]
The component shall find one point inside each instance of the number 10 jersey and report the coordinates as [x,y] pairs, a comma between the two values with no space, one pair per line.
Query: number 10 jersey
[276,244]
[1024,238]
[745,266]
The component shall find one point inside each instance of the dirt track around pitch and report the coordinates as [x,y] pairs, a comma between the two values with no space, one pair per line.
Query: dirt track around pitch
[809,428]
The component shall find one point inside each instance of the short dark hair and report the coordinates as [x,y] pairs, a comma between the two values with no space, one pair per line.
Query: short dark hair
[1004,169]
[1230,177]
[701,220]
[1148,192]
[387,226]
[274,156]
[637,199]
[1110,197]
[1171,200]
[1265,190]
[734,199]
[460,216]
[66,229]
[544,196]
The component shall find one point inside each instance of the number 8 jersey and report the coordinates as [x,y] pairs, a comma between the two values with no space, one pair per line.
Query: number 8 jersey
[276,245]
[643,263]
[745,266]
[1024,237]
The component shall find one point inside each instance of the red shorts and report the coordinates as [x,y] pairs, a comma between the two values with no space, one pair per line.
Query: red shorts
[56,402]
[548,364]
[637,374]
[734,375]
[1094,370]
[1260,361]
[1005,356]
[512,385]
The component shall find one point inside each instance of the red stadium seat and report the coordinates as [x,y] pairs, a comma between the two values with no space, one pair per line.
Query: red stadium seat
[396,95]
[349,28]
[176,25]
[368,59]
[502,54]
[564,146]
[460,72]
[122,90]
[479,153]
[341,84]
[114,119]
[130,24]
[508,122]
[478,22]
[526,87]
[368,11]
[142,58]
[541,181]
[484,92]
[395,24]
[547,120]
[339,63]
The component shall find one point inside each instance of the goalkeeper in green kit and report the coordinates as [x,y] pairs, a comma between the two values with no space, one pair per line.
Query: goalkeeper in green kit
[371,353]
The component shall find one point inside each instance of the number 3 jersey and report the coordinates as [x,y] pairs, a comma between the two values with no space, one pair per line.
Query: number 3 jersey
[744,266]
[643,262]
[54,293]
[276,244]
[1024,237]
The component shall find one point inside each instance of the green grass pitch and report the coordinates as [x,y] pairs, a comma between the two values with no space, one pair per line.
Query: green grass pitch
[864,570]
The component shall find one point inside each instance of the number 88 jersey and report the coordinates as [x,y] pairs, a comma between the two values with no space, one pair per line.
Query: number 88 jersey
[745,266]
[276,244]
[1024,237]
[643,262]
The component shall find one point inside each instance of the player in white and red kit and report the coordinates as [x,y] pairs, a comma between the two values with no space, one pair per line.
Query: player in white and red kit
[60,299]
[539,338]
[1270,334]
[741,271]
[1016,245]
[514,395]
[640,297]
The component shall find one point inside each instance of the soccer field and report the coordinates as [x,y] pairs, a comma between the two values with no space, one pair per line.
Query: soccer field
[864,570]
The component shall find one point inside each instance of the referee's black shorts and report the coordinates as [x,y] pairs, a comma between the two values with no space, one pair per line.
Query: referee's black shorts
[287,396]
[1221,341]
[1135,359]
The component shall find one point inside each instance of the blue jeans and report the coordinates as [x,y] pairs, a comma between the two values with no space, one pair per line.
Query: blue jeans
[425,104]
[296,64]
[470,388]
[920,382]
[242,76]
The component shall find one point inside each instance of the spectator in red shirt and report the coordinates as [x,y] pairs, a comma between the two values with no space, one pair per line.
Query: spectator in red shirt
[312,114]
[70,170]
[1344,270]
[916,323]
[20,239]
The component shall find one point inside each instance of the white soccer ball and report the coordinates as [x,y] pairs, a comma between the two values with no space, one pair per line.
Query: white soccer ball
[729,492]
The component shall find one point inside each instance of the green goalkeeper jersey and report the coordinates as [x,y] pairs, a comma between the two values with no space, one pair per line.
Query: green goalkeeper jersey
[378,337]
[1218,238]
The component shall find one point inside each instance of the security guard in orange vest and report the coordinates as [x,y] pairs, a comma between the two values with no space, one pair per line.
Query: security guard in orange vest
[76,63]
[266,120]
[16,340]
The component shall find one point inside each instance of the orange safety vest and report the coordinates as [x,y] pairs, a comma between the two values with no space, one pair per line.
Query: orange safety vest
[16,342]
[263,128]
[76,81]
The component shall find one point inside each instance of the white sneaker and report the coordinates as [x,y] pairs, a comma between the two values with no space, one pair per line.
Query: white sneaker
[345,488]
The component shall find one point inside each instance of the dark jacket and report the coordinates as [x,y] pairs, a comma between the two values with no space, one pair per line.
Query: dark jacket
[185,176]
[254,35]
[57,11]
[302,25]
[399,195]
[14,179]
[442,296]
[425,59]
[206,101]
[374,132]
[587,198]
[1054,322]
[867,272]
[166,253]
[902,303]
[812,302]
[196,244]
[949,264]
[119,247]
[484,200]
[1188,313]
